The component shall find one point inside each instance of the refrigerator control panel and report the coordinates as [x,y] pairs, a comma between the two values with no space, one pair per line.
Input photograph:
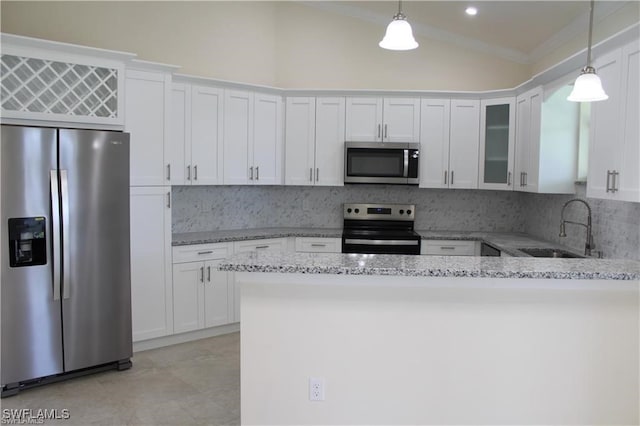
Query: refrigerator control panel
[27,242]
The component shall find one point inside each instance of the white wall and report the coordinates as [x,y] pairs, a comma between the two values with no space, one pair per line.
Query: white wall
[445,351]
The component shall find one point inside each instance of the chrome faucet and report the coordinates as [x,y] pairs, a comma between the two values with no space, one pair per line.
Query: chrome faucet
[589,244]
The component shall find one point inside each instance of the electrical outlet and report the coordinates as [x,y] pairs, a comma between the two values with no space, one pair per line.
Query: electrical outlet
[316,389]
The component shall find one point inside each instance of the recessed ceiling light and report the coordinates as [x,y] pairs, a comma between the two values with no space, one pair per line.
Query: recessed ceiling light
[472,11]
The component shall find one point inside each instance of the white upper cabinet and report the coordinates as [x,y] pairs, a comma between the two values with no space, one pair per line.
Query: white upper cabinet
[547,133]
[383,120]
[252,138]
[614,146]
[314,135]
[497,143]
[434,143]
[147,100]
[179,134]
[464,144]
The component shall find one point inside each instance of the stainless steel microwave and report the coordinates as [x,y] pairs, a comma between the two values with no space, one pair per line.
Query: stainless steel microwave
[377,162]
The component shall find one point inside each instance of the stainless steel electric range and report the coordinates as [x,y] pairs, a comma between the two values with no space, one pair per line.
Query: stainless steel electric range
[380,228]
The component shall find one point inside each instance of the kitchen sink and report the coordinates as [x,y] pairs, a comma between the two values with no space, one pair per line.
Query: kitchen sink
[550,252]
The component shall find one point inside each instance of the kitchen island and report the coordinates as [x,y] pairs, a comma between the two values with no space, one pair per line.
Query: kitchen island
[438,340]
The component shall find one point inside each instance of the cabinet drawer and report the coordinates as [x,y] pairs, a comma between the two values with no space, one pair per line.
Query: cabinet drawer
[201,252]
[269,244]
[318,245]
[448,248]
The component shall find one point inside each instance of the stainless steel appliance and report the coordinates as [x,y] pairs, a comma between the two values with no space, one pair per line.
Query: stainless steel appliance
[394,163]
[66,286]
[380,228]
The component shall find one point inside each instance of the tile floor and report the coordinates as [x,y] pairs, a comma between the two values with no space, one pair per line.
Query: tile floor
[195,383]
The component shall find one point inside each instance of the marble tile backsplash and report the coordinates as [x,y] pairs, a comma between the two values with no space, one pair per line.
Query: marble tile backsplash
[209,208]
[616,224]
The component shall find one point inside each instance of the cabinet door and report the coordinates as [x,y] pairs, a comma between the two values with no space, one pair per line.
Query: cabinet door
[238,132]
[363,120]
[266,155]
[401,120]
[434,143]
[300,130]
[329,146]
[146,118]
[216,295]
[497,139]
[188,292]
[206,135]
[605,127]
[629,177]
[523,140]
[464,144]
[531,177]
[178,147]
[151,293]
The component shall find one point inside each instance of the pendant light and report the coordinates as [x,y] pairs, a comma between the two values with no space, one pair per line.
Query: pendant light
[399,35]
[588,87]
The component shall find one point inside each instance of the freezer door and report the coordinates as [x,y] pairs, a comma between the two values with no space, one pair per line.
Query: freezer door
[96,303]
[31,327]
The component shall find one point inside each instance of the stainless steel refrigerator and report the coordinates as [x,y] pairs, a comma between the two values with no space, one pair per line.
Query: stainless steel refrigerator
[65,277]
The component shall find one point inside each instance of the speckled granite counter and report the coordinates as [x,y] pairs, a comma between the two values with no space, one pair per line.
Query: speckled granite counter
[207,237]
[432,266]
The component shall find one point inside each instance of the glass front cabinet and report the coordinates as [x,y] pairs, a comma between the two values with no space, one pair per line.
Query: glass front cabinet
[497,143]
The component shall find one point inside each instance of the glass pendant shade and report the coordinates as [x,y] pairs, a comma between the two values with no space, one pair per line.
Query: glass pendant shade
[399,35]
[588,87]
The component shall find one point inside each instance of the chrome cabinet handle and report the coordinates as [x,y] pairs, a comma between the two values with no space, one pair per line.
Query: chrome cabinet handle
[202,274]
[526,179]
[608,178]
[317,174]
[209,273]
[310,174]
[195,172]
[205,252]
[251,171]
[261,247]
[614,181]
[447,248]
[386,135]
[257,172]
[318,245]
[168,171]
[445,176]
[521,178]
[451,177]
[55,225]
[379,130]
[509,179]
[189,172]
[169,199]
[66,254]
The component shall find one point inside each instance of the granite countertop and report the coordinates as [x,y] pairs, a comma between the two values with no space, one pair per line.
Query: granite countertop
[432,266]
[208,237]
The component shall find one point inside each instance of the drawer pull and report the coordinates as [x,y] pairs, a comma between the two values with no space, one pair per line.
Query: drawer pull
[261,247]
[318,245]
[205,252]
[447,248]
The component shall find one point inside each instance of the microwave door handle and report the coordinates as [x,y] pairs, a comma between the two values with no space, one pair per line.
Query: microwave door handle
[406,163]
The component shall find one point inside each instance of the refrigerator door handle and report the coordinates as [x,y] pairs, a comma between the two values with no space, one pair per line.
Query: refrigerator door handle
[66,262]
[55,226]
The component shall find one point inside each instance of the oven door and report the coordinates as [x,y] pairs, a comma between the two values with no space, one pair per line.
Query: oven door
[376,163]
[374,245]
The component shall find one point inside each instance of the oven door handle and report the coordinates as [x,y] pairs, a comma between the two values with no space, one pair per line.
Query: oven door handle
[366,242]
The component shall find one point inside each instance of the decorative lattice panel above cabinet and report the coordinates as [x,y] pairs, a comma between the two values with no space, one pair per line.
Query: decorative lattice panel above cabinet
[32,85]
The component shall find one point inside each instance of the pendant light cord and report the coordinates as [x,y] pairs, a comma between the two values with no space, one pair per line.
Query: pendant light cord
[590,34]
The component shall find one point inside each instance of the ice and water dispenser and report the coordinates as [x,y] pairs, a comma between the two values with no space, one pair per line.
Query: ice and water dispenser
[27,242]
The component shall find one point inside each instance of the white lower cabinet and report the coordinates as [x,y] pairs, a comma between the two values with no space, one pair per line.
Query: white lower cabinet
[318,245]
[449,248]
[151,293]
[200,292]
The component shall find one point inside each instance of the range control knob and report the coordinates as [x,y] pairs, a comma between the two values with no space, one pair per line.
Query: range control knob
[408,211]
[401,211]
[357,211]
[349,210]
